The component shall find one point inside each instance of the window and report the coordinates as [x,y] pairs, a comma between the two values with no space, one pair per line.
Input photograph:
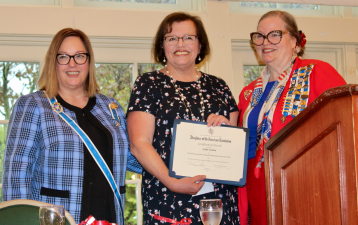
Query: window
[18,78]
[3,130]
[183,5]
[251,73]
[293,8]
[355,11]
[148,67]
[278,5]
[115,80]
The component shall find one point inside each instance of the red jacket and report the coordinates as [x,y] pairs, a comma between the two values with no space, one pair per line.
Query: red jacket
[322,77]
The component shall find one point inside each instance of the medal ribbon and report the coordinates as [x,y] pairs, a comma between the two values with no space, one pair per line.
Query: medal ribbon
[296,99]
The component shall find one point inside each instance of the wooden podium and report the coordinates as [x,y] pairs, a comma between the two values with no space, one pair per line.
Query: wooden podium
[311,164]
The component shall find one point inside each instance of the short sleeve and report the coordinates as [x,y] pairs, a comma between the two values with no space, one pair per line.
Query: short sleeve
[227,95]
[142,96]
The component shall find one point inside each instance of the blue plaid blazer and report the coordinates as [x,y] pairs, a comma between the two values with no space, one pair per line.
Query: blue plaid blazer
[42,150]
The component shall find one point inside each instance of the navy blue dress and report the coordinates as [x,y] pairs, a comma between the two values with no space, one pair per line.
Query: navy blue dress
[154,93]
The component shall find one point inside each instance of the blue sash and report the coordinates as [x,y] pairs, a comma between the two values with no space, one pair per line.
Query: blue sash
[92,149]
[132,163]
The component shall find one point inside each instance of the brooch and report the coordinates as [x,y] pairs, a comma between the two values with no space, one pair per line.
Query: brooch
[57,107]
[247,94]
[113,105]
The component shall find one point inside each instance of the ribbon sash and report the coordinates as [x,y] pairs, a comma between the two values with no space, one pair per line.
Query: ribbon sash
[92,149]
[267,111]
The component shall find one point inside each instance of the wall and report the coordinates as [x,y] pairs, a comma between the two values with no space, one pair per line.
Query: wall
[126,35]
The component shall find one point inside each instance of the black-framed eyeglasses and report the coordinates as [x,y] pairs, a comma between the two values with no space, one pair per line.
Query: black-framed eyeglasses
[274,37]
[79,58]
[187,39]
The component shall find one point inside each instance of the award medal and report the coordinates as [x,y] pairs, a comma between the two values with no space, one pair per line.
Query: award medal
[247,94]
[113,108]
[297,96]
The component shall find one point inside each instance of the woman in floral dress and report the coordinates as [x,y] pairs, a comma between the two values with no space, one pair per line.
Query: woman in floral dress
[178,91]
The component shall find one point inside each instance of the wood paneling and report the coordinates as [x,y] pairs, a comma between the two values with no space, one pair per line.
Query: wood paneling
[311,163]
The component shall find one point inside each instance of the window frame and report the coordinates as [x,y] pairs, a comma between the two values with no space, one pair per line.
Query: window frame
[181,5]
[323,10]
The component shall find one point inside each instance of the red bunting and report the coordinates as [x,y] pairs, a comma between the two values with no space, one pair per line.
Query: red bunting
[184,221]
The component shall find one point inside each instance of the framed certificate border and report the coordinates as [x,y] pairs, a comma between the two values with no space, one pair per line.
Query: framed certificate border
[243,153]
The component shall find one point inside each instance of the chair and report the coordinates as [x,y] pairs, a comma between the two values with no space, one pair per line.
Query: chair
[25,211]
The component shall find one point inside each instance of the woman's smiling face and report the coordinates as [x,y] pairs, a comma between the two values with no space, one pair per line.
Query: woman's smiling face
[72,76]
[275,55]
[181,54]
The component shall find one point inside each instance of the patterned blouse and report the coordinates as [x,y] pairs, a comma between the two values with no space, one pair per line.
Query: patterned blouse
[154,93]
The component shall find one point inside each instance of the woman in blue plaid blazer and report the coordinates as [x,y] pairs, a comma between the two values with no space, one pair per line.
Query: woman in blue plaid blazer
[45,159]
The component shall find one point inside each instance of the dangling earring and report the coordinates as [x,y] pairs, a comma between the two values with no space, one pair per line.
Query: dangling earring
[164,60]
[294,52]
[199,59]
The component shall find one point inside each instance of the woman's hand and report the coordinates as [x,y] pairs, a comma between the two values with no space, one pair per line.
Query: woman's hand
[217,120]
[187,185]
[141,128]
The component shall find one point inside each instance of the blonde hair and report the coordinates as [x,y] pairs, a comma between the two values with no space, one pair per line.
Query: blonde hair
[48,79]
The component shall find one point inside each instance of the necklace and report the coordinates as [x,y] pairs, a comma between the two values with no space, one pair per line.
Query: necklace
[183,97]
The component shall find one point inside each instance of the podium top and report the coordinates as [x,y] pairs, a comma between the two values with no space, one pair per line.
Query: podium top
[319,102]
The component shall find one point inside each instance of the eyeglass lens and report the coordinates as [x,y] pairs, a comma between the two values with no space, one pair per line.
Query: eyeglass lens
[80,58]
[274,37]
[173,40]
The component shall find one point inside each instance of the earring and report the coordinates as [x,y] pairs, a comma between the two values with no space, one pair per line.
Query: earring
[164,60]
[199,59]
[294,52]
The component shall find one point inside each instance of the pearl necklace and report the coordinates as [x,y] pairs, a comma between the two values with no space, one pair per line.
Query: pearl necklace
[183,98]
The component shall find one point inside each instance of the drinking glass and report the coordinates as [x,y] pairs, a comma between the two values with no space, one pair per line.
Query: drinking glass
[52,215]
[211,211]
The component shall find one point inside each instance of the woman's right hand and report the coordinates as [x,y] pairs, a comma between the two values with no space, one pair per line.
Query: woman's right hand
[141,128]
[187,185]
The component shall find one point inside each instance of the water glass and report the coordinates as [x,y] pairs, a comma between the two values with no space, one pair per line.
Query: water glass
[211,211]
[52,215]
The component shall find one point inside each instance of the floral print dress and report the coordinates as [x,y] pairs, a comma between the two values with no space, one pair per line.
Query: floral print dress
[155,94]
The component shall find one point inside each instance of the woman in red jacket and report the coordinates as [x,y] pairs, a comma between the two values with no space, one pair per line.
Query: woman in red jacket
[285,87]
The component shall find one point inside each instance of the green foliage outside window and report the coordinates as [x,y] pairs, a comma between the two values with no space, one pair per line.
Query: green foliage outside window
[17,79]
[115,80]
[251,73]
[148,67]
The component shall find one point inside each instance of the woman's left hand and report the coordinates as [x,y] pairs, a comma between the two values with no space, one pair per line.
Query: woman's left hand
[217,120]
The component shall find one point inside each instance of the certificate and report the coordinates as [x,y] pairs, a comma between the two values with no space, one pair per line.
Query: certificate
[220,153]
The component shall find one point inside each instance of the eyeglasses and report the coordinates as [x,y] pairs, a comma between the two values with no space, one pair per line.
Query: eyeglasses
[274,37]
[187,39]
[79,58]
